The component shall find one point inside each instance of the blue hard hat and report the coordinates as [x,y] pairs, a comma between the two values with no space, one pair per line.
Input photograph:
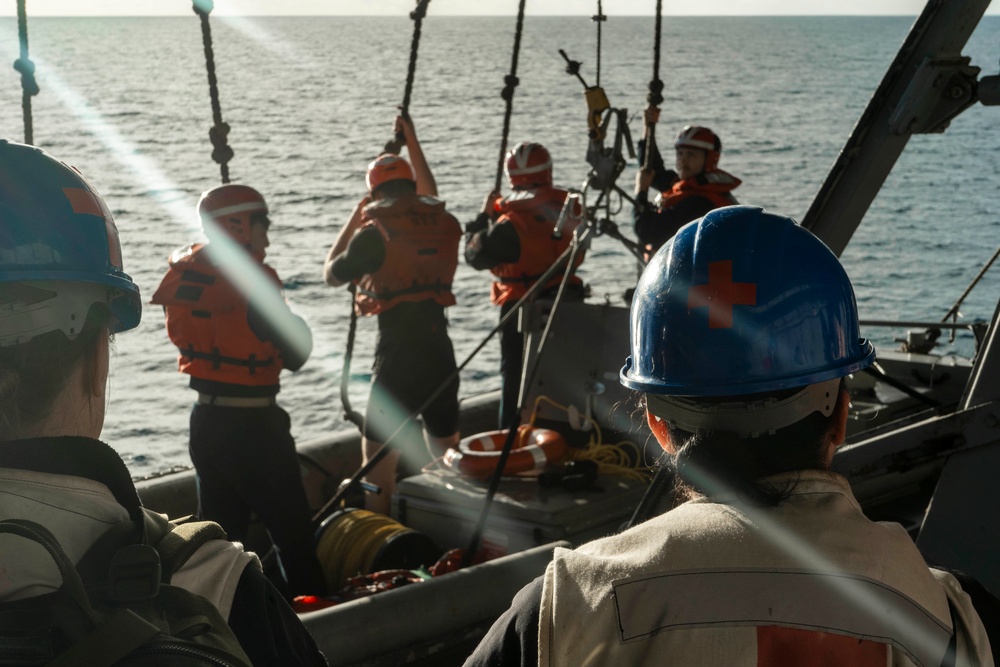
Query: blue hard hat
[740,302]
[56,230]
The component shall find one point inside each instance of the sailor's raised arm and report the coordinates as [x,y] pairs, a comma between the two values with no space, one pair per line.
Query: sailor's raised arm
[426,185]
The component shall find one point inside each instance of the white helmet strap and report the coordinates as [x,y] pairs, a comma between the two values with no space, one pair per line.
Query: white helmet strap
[745,418]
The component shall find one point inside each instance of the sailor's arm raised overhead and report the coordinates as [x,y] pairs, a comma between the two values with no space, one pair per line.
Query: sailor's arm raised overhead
[426,185]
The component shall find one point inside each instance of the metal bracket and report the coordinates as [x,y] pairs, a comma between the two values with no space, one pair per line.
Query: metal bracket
[940,90]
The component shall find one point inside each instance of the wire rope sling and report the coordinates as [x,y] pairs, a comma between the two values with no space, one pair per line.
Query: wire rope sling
[222,153]
[24,65]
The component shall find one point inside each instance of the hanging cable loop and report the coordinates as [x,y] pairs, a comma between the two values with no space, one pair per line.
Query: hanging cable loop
[218,134]
[26,68]
[396,144]
[510,84]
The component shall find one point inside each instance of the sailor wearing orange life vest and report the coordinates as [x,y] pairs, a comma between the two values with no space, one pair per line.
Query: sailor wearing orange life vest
[235,333]
[400,248]
[743,327]
[513,238]
[695,188]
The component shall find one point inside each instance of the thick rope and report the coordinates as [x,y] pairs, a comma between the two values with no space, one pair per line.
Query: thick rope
[599,18]
[396,143]
[510,84]
[655,95]
[219,132]
[27,69]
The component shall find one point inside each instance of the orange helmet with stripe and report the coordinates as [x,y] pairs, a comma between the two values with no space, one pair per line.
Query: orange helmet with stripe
[702,138]
[528,165]
[231,208]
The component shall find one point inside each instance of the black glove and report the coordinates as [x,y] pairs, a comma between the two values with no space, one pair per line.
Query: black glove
[481,222]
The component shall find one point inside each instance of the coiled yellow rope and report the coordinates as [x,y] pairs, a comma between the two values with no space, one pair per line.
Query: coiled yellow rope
[350,543]
[611,459]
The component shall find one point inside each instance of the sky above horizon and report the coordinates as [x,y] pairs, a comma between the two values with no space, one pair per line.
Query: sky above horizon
[477,7]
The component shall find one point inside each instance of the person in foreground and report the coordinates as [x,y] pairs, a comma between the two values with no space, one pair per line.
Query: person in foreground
[64,294]
[743,327]
[515,238]
[234,334]
[400,248]
[696,187]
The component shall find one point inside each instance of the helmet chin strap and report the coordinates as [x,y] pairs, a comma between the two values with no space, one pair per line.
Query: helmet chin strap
[745,418]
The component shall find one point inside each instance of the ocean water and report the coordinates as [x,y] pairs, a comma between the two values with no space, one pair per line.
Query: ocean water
[311,101]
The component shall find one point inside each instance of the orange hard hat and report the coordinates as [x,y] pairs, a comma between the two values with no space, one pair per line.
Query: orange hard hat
[230,207]
[528,164]
[694,136]
[388,167]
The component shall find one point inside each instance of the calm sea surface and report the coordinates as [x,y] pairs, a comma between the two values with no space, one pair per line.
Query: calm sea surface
[311,101]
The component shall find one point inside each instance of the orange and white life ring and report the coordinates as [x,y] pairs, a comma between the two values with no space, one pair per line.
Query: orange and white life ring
[534,448]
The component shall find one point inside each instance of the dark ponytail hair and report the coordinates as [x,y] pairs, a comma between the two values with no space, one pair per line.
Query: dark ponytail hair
[714,462]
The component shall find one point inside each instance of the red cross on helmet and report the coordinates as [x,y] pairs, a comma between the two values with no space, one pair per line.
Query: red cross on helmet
[231,208]
[387,167]
[740,302]
[528,165]
[59,250]
[702,138]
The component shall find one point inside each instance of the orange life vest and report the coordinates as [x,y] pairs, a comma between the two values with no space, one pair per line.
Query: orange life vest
[421,254]
[715,186]
[207,321]
[534,214]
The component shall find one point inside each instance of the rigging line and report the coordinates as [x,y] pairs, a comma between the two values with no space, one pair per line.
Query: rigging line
[599,18]
[510,84]
[219,132]
[953,311]
[395,144]
[24,65]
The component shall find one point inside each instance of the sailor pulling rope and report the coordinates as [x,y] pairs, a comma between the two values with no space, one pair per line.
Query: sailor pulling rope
[332,504]
[393,146]
[219,132]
